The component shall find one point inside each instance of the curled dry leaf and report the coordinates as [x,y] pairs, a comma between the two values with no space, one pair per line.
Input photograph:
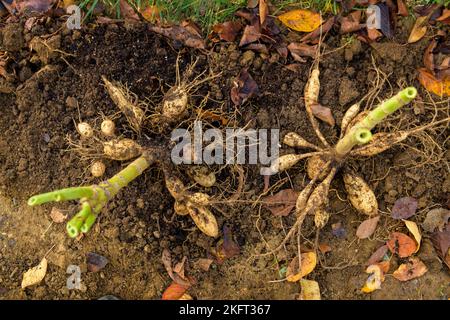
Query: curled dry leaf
[174,291]
[167,262]
[323,113]
[35,275]
[373,34]
[402,8]
[57,216]
[258,47]
[414,268]
[428,57]
[441,241]
[226,248]
[401,244]
[360,194]
[419,29]
[384,266]
[309,290]
[378,255]
[95,262]
[404,208]
[228,31]
[445,17]
[367,227]
[309,261]
[436,219]
[414,229]
[243,88]
[281,203]
[320,30]
[127,12]
[301,20]
[181,34]
[251,34]
[299,50]
[179,267]
[374,281]
[263,11]
[351,22]
[440,87]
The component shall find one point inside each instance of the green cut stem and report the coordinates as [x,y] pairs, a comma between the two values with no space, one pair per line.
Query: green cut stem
[358,133]
[93,198]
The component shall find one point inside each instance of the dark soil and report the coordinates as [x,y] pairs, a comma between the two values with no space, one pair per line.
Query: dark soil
[38,111]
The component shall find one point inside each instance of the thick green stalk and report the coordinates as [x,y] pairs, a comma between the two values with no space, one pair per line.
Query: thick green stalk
[93,198]
[360,132]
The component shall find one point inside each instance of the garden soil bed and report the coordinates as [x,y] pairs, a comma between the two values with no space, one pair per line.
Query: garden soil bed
[40,112]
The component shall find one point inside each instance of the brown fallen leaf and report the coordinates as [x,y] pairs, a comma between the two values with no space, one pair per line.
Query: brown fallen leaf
[378,255]
[441,241]
[263,11]
[127,12]
[294,67]
[228,31]
[167,262]
[226,248]
[179,267]
[299,50]
[402,8]
[440,87]
[181,34]
[414,268]
[243,88]
[57,216]
[351,23]
[367,227]
[384,266]
[95,262]
[428,57]
[204,263]
[323,113]
[445,17]
[258,47]
[35,275]
[404,208]
[301,20]
[401,244]
[174,291]
[419,30]
[320,30]
[281,203]
[324,248]
[29,6]
[251,34]
[436,219]
[374,34]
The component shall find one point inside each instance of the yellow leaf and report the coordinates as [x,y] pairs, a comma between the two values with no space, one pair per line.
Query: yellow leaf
[374,281]
[309,261]
[35,275]
[301,20]
[414,229]
[436,86]
[419,29]
[310,290]
[150,13]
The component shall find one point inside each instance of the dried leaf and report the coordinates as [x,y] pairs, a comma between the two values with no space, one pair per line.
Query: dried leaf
[436,219]
[302,50]
[384,266]
[322,29]
[204,263]
[151,13]
[404,208]
[301,20]
[428,57]
[251,34]
[445,17]
[401,244]
[351,22]
[438,87]
[95,262]
[252,4]
[402,8]
[127,12]
[309,261]
[374,281]
[367,227]
[167,262]
[258,47]
[310,290]
[228,31]
[57,216]
[374,34]
[414,268]
[419,30]
[181,34]
[414,229]
[29,6]
[324,248]
[35,275]
[174,291]
[226,248]
[281,203]
[323,113]
[441,241]
[263,11]
[243,88]
[378,255]
[294,67]
[179,267]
